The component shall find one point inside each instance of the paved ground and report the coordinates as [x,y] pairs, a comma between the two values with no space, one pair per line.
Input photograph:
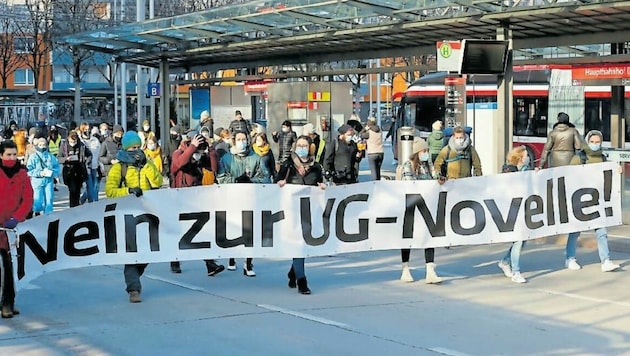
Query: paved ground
[358,307]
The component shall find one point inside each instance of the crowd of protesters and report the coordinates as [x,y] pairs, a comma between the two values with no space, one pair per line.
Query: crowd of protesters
[134,162]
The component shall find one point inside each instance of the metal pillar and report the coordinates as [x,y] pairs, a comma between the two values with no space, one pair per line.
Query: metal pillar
[505,111]
[140,77]
[617,107]
[152,71]
[123,79]
[165,101]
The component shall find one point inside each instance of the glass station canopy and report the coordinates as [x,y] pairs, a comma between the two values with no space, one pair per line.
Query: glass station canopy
[306,31]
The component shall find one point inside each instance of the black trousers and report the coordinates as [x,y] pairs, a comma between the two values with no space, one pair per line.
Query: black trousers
[74,191]
[429,255]
[7,284]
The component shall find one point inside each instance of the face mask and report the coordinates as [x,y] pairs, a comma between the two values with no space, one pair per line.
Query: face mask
[285,129]
[117,138]
[205,134]
[348,139]
[196,156]
[241,145]
[152,146]
[104,132]
[41,149]
[526,161]
[459,141]
[9,163]
[301,152]
[424,156]
[594,146]
[146,128]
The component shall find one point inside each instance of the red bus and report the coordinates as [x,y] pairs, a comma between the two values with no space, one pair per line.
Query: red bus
[535,110]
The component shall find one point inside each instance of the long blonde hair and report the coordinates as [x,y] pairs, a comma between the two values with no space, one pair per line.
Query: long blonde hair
[515,156]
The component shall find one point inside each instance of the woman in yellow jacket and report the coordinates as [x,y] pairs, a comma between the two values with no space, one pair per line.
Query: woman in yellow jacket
[154,151]
[132,174]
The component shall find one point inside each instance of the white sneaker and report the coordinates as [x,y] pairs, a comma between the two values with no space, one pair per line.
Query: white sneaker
[609,266]
[572,264]
[517,278]
[231,267]
[506,268]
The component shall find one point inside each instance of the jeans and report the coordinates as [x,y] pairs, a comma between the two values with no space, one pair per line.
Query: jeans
[602,244]
[513,255]
[376,161]
[298,268]
[91,187]
[132,276]
[43,195]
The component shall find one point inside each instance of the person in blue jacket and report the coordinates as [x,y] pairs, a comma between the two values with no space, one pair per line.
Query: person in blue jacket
[43,168]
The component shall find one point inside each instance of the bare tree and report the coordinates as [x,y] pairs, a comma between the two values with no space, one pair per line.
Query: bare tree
[35,30]
[9,59]
[75,16]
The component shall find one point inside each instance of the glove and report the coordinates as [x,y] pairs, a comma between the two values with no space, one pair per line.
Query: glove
[10,224]
[140,159]
[243,179]
[135,191]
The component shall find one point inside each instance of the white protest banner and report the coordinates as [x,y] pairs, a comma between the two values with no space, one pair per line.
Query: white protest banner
[255,220]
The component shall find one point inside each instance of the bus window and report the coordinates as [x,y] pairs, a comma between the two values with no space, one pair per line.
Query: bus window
[530,116]
[597,116]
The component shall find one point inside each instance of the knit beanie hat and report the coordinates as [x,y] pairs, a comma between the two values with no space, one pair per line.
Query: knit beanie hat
[419,144]
[117,128]
[129,139]
[437,126]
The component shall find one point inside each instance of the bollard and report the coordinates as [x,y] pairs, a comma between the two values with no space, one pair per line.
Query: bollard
[405,143]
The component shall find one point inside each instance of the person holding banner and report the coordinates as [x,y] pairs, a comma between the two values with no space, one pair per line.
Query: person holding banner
[562,142]
[132,174]
[517,161]
[419,167]
[301,168]
[242,165]
[16,202]
[591,153]
[193,165]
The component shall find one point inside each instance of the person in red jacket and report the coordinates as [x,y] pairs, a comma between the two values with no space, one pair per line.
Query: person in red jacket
[16,201]
[191,165]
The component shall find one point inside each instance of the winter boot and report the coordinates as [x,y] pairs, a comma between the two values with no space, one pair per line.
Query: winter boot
[302,286]
[175,267]
[432,277]
[406,273]
[213,268]
[291,275]
[134,297]
[7,312]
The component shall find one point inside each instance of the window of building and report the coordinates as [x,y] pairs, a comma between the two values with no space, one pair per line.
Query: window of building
[23,44]
[23,76]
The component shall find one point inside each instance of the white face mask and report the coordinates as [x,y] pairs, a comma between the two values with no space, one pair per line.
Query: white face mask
[152,146]
[196,156]
[146,128]
[285,129]
[459,141]
[205,134]
[104,132]
[348,139]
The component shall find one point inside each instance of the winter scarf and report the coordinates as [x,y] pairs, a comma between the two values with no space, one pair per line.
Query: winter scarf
[261,151]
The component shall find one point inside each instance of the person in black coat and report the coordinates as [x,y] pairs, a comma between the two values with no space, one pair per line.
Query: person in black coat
[301,168]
